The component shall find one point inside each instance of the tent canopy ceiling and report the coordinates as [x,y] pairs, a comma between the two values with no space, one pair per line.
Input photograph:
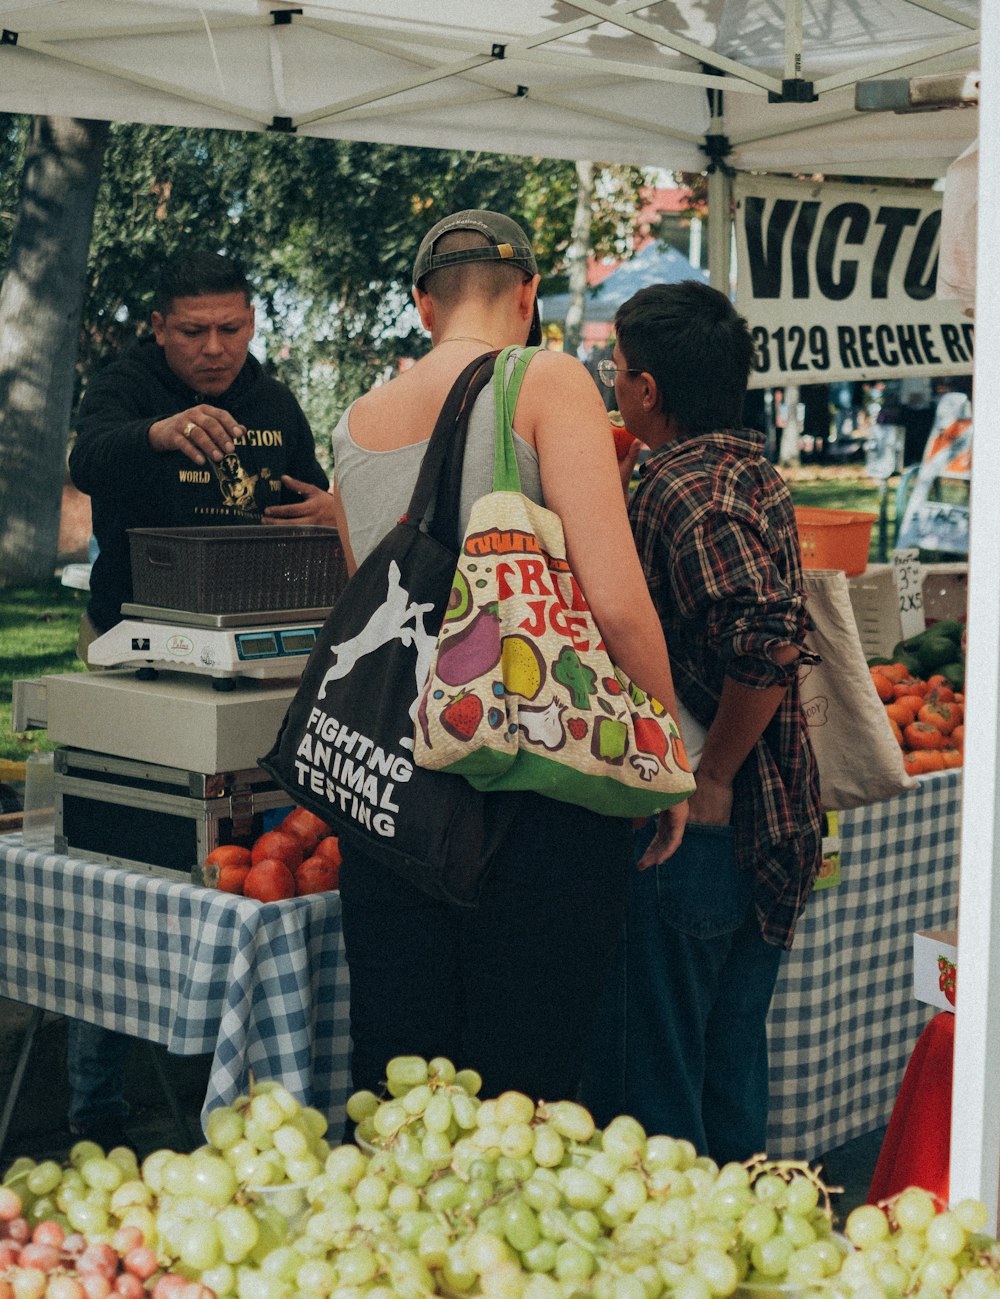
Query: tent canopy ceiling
[583,79]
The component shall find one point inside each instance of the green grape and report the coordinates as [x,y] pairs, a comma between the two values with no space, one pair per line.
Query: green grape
[798,1230]
[514,1107]
[630,1190]
[585,1224]
[573,1262]
[487,1136]
[570,1120]
[415,1099]
[456,1272]
[692,1286]
[199,1245]
[102,1174]
[389,1118]
[972,1214]
[357,1265]
[406,1071]
[514,1170]
[520,1224]
[436,1148]
[304,1169]
[43,1178]
[484,1251]
[802,1196]
[914,1209]
[946,1237]
[88,1218]
[441,1070]
[361,1105]
[891,1277]
[759,1223]
[866,1225]
[469,1081]
[663,1152]
[540,1286]
[290,1141]
[717,1269]
[259,1134]
[541,1257]
[478,1194]
[211,1179]
[465,1110]
[939,1273]
[909,1247]
[771,1257]
[403,1198]
[446,1193]
[548,1147]
[412,1224]
[517,1140]
[541,1193]
[345,1166]
[317,1276]
[81,1151]
[371,1191]
[433,1246]
[580,1189]
[266,1110]
[224,1127]
[770,1189]
[413,1168]
[438,1111]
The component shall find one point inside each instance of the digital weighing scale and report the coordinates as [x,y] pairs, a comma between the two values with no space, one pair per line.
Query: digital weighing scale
[224,646]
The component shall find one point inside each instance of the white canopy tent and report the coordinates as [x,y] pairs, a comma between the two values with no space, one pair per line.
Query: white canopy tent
[762,84]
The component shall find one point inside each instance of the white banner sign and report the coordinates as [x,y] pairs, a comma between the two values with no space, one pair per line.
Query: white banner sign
[837,282]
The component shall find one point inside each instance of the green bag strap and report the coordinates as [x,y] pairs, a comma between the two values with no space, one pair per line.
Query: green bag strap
[506,477]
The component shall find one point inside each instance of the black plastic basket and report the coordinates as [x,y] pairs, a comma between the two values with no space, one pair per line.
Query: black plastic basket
[237,569]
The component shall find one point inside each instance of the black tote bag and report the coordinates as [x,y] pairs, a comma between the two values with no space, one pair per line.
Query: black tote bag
[345,748]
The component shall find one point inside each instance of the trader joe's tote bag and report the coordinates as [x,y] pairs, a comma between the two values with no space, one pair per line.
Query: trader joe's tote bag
[345,749]
[522,693]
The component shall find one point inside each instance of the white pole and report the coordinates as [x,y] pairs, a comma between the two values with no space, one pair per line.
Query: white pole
[975,1119]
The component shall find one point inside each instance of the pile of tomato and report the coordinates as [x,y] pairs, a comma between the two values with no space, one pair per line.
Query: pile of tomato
[927,717]
[298,856]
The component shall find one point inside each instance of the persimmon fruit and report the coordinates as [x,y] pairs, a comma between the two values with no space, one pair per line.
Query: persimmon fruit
[287,848]
[269,880]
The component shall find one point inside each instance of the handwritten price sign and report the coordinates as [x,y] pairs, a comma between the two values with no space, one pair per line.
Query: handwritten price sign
[909,576]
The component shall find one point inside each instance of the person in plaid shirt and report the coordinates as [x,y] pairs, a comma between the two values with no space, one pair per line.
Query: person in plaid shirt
[682,1042]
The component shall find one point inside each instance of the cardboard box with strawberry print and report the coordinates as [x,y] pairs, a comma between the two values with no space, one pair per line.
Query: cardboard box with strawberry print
[935,967]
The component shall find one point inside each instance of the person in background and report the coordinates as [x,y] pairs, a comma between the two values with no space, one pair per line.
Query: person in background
[508,987]
[681,1042]
[184,430]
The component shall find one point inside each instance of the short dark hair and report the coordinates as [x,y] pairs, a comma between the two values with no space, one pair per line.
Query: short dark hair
[449,285]
[696,346]
[197,275]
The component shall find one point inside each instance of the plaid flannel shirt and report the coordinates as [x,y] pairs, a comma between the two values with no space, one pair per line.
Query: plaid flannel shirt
[715,530]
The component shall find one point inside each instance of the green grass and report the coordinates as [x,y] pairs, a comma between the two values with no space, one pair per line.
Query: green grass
[38,630]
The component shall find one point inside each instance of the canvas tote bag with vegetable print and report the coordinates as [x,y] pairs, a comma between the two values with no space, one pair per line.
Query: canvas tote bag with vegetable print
[521,692]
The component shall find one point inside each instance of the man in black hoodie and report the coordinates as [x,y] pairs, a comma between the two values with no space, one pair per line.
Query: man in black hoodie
[186,430]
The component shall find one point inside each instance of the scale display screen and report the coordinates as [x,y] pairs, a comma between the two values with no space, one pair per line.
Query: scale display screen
[257,645]
[275,644]
[299,641]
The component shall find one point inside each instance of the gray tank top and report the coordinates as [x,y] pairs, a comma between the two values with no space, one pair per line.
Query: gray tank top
[376,486]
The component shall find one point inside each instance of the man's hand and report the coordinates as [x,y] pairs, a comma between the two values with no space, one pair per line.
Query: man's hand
[200,432]
[669,832]
[712,802]
[316,506]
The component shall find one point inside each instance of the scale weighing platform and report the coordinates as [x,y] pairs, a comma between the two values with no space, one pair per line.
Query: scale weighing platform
[224,646]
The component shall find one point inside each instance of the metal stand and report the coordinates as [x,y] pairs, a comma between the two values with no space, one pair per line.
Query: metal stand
[181,1125]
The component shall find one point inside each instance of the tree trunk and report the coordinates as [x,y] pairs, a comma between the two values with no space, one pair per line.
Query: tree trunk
[40,307]
[789,453]
[577,257]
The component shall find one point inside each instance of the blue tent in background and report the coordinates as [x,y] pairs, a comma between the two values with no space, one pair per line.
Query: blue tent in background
[652,265]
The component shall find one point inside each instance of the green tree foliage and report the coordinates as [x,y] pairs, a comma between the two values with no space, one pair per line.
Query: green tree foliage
[328,229]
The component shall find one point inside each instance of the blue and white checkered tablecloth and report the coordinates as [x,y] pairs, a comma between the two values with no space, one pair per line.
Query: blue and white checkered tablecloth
[844,1020]
[263,988]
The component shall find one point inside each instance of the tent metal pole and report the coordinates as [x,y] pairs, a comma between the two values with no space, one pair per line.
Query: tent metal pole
[719,229]
[975,1115]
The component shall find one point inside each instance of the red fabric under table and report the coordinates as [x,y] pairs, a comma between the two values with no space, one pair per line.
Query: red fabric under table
[915,1151]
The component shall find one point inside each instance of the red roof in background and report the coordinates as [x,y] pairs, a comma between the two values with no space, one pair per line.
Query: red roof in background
[657,202]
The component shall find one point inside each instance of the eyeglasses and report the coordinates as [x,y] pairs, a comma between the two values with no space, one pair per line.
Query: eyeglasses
[606,371]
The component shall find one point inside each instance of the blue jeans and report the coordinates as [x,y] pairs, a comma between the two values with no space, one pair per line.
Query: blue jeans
[681,1042]
[95,1062]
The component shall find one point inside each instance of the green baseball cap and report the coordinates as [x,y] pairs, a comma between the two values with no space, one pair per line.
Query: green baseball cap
[506,242]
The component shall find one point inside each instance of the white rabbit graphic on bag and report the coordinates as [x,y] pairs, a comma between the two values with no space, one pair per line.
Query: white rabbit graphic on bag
[397,619]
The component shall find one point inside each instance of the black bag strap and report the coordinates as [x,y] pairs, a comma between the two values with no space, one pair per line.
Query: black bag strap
[435,500]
